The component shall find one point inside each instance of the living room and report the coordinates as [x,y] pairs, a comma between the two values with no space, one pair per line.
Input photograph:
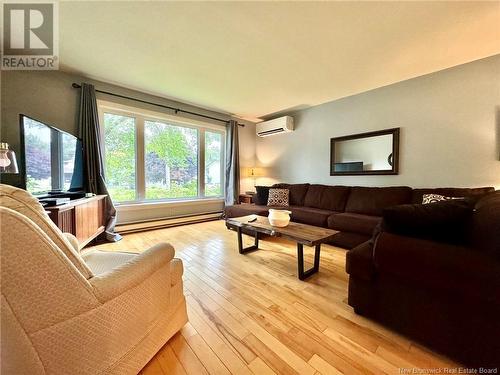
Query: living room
[250,187]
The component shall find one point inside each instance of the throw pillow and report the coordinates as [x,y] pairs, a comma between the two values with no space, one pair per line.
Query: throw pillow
[433,198]
[278,197]
[444,221]
[262,195]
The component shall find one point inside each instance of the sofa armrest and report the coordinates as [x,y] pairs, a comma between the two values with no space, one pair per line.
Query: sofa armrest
[120,279]
[359,261]
[438,265]
[398,253]
[73,241]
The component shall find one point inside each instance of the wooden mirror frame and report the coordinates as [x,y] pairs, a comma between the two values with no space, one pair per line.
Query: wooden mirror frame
[395,153]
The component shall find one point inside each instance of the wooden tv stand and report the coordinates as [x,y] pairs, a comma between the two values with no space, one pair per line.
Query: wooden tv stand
[84,217]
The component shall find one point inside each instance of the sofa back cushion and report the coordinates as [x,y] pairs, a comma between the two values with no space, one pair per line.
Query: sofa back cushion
[484,232]
[334,198]
[417,194]
[326,197]
[297,192]
[372,200]
[313,196]
[444,221]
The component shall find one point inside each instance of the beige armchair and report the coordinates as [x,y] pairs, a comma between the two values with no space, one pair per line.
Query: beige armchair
[61,313]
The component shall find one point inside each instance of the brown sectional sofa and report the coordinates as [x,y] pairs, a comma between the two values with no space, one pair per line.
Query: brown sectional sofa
[354,211]
[445,294]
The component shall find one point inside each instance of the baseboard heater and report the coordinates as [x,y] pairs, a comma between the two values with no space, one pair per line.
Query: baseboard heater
[166,222]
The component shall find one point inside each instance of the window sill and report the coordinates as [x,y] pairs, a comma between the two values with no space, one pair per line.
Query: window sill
[132,206]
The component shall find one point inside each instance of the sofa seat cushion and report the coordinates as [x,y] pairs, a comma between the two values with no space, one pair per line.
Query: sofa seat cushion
[441,267]
[348,240]
[238,210]
[357,223]
[101,262]
[372,200]
[311,216]
[327,197]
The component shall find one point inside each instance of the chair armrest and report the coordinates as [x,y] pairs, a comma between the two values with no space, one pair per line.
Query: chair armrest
[73,241]
[120,279]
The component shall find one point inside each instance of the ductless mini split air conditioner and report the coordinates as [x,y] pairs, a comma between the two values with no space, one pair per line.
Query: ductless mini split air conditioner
[277,126]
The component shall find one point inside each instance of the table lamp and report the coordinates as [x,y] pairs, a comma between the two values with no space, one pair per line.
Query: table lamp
[254,172]
[8,162]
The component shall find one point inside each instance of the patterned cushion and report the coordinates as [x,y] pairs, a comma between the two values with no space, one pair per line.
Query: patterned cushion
[433,198]
[278,197]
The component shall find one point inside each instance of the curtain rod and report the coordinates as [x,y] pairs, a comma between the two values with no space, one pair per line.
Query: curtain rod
[176,110]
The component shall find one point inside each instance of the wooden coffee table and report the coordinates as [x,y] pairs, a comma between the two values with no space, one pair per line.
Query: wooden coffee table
[302,234]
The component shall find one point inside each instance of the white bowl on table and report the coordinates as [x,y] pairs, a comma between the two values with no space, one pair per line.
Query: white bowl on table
[279,218]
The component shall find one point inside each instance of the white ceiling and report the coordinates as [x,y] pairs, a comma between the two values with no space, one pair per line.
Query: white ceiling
[252,59]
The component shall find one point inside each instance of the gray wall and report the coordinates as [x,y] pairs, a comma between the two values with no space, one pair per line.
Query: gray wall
[450,125]
[48,96]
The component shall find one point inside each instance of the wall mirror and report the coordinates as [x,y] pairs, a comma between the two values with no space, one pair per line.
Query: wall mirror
[372,153]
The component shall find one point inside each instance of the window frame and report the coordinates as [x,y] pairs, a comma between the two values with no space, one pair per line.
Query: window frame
[222,162]
[140,117]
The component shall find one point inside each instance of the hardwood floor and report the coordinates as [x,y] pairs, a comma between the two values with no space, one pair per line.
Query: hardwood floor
[249,314]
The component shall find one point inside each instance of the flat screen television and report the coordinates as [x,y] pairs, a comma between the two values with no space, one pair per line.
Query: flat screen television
[51,159]
[354,166]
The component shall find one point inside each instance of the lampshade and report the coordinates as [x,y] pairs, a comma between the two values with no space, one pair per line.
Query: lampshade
[8,162]
[255,172]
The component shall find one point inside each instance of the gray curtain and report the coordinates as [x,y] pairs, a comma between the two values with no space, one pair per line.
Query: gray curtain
[232,177]
[93,167]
